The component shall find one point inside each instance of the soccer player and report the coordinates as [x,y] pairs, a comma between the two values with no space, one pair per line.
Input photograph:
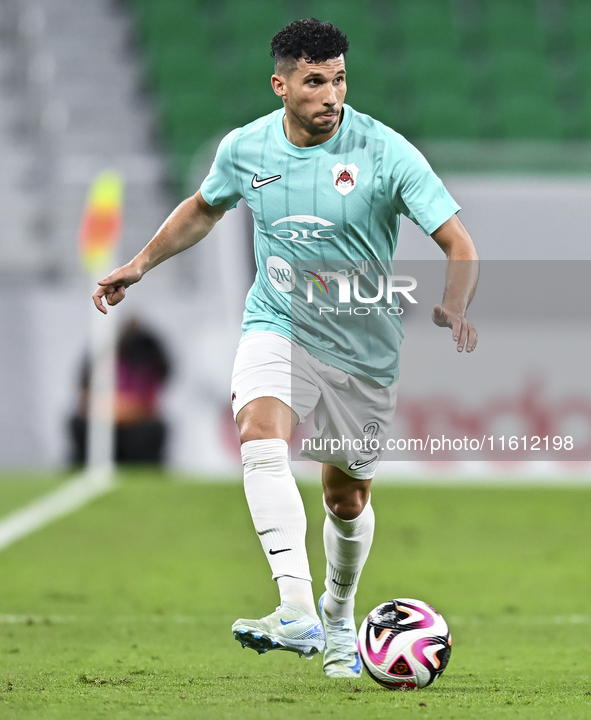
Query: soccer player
[326,186]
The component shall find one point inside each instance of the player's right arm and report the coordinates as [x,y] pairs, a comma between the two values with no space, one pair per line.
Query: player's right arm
[189,223]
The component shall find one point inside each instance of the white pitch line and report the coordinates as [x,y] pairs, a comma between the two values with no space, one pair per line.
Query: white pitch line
[67,619]
[67,498]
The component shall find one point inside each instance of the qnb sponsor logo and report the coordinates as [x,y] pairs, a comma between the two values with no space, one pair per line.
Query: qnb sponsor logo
[387,288]
[280,274]
[304,235]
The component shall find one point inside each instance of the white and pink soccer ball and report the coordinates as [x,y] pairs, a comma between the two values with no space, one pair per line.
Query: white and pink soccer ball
[404,643]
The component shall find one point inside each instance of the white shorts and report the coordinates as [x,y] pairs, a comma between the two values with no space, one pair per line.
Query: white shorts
[352,415]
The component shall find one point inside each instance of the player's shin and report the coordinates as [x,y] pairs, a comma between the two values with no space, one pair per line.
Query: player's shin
[347,544]
[279,518]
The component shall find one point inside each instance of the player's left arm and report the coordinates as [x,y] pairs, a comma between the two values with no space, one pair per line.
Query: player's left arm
[461,278]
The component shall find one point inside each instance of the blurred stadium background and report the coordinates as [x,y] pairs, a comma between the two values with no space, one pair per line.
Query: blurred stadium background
[497,93]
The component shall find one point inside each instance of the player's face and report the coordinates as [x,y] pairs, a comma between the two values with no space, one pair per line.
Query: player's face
[313,95]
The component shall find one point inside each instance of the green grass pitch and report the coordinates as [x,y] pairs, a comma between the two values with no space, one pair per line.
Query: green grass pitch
[123,609]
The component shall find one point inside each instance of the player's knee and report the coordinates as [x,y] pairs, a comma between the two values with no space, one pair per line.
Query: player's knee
[259,429]
[347,506]
[346,511]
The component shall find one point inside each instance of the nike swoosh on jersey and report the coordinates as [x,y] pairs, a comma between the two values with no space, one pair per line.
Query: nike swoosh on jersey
[256,183]
[274,552]
[358,464]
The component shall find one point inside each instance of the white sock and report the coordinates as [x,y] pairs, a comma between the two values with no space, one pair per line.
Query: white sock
[279,518]
[297,592]
[346,544]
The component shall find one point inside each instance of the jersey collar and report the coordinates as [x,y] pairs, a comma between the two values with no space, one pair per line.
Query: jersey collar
[307,152]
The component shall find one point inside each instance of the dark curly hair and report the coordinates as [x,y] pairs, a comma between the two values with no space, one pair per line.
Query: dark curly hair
[311,39]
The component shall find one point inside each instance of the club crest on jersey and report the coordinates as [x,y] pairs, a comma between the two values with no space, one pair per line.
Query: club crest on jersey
[345,177]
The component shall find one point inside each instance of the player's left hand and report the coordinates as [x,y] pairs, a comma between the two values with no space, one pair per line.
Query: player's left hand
[463,332]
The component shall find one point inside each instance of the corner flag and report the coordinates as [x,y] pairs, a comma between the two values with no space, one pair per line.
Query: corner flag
[101,222]
[99,234]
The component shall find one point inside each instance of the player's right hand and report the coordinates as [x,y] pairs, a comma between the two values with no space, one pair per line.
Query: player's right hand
[112,288]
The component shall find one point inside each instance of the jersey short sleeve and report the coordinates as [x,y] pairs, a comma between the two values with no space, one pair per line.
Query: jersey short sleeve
[222,185]
[416,191]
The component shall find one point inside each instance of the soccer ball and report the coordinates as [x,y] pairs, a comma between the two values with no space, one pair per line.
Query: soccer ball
[404,644]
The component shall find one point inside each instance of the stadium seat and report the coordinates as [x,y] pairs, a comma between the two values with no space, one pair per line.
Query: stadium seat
[164,24]
[429,70]
[346,15]
[254,23]
[582,118]
[578,23]
[445,115]
[430,24]
[188,119]
[515,71]
[524,116]
[580,96]
[511,25]
[582,63]
[177,67]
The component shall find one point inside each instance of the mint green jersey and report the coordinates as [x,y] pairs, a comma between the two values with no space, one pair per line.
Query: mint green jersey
[326,222]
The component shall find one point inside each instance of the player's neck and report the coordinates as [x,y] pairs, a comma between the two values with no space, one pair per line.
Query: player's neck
[297,134]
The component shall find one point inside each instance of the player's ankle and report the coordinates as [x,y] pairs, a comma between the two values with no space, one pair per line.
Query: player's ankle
[336,609]
[297,592]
